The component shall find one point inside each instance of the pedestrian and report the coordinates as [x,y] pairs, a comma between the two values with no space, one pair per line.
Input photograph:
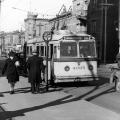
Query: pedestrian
[10,68]
[115,75]
[35,68]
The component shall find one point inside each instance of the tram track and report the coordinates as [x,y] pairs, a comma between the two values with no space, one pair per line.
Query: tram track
[103,95]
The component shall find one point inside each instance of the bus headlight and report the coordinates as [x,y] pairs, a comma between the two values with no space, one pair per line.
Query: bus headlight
[67,68]
[90,67]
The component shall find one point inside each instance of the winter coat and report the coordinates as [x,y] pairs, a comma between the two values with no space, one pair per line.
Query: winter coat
[35,67]
[11,70]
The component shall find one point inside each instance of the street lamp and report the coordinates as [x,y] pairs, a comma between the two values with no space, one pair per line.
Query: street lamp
[47,36]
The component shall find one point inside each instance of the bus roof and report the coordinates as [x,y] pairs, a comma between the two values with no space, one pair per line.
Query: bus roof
[63,34]
[66,33]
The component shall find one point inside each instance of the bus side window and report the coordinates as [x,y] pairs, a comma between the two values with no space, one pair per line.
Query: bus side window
[27,50]
[30,50]
[42,51]
[55,52]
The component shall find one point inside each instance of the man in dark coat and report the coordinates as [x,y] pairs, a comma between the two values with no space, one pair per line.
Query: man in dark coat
[35,67]
[10,68]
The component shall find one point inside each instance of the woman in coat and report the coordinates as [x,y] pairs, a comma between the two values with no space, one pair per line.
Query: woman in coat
[10,68]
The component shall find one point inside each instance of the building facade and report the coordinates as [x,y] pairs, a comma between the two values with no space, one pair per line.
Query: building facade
[102,21]
[73,19]
[12,41]
[80,7]
[33,26]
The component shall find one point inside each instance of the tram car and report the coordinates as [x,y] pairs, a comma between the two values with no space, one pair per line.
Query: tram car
[71,57]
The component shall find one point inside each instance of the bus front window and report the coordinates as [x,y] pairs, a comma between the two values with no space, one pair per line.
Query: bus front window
[68,49]
[87,49]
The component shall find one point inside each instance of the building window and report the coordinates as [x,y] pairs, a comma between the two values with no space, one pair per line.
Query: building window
[78,4]
[86,2]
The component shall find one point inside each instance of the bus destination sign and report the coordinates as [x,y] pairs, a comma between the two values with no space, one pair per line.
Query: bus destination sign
[77,37]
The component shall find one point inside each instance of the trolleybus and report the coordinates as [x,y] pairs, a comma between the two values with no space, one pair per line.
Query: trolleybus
[72,57]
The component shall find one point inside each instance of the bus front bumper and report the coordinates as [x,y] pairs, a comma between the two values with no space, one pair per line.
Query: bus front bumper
[75,79]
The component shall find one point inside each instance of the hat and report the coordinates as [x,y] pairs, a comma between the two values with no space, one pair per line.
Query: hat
[34,52]
[11,54]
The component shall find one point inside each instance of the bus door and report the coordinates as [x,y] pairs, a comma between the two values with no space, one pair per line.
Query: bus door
[50,60]
[53,56]
[51,51]
[38,49]
[29,50]
[42,51]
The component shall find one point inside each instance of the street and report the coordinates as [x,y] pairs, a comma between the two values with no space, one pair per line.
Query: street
[103,95]
[100,92]
[77,42]
[82,100]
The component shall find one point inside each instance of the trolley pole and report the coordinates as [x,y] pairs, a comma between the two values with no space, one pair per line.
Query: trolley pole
[47,36]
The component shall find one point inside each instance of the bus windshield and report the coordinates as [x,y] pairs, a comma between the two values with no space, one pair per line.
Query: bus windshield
[87,49]
[68,49]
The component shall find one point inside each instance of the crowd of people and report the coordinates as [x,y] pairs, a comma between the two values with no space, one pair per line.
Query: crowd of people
[34,66]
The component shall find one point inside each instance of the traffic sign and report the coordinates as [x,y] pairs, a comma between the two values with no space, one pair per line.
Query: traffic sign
[47,36]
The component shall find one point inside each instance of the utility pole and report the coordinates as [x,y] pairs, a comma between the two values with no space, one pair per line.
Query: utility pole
[105,6]
[119,25]
[0,14]
[0,31]
[1,36]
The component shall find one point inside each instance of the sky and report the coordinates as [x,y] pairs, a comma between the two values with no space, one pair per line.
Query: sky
[13,12]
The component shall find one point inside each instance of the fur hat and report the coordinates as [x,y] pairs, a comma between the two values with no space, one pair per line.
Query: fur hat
[34,52]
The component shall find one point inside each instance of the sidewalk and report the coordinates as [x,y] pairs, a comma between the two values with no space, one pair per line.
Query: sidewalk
[52,105]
